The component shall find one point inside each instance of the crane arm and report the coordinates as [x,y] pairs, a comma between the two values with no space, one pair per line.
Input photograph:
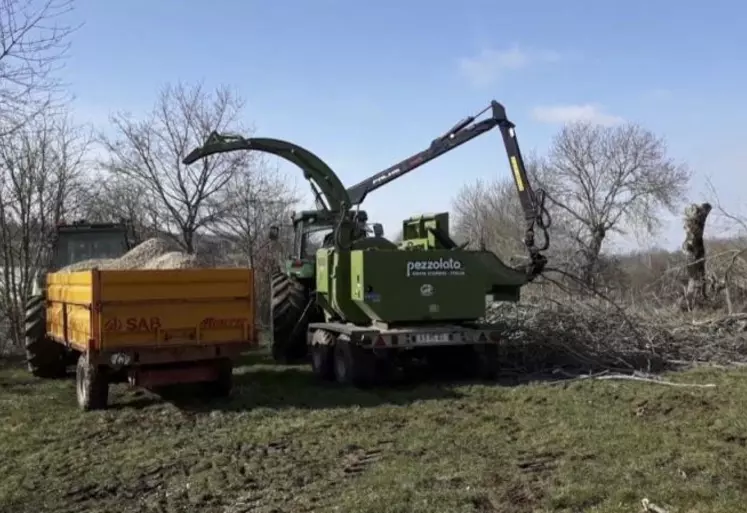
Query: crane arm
[535,214]
[325,183]
[462,132]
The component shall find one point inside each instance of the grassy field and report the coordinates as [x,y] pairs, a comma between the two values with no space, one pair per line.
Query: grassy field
[285,443]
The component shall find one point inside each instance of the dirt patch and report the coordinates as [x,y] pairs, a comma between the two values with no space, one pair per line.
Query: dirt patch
[152,254]
[357,460]
[672,406]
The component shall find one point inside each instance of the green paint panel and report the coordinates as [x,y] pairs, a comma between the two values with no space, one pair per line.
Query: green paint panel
[322,270]
[437,285]
[333,283]
[305,270]
[416,226]
[415,229]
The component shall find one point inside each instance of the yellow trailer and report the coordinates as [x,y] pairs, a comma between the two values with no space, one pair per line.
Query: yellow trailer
[151,327]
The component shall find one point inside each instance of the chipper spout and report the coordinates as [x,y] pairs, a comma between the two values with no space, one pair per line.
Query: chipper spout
[314,169]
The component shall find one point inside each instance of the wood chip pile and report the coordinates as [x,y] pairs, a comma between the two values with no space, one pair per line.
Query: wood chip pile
[151,254]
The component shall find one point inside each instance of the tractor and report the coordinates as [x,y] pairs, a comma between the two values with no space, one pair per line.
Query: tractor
[292,284]
[71,243]
[360,299]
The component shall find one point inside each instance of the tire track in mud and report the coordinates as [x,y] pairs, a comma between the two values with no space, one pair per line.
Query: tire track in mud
[357,460]
[194,481]
[300,471]
[310,493]
[527,488]
[146,484]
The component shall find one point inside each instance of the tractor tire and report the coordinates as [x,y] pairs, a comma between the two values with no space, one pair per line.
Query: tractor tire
[91,385]
[289,298]
[45,358]
[354,365]
[322,355]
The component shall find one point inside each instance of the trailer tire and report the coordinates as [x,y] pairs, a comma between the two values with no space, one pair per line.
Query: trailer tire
[45,358]
[223,385]
[353,364]
[322,355]
[289,298]
[91,385]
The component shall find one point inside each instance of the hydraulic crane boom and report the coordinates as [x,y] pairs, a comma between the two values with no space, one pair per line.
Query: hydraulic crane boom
[333,196]
[467,129]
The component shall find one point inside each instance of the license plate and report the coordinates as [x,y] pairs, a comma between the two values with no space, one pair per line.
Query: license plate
[432,338]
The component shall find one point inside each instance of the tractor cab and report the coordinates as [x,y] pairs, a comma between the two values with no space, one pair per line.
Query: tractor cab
[314,229]
[80,240]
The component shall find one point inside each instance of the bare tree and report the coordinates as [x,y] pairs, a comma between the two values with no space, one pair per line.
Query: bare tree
[40,174]
[727,265]
[489,215]
[148,155]
[259,198]
[113,198]
[603,180]
[32,46]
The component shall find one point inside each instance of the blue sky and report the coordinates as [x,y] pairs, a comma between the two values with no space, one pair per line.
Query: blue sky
[365,84]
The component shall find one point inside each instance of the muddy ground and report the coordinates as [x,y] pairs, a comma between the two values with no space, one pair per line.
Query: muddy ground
[285,443]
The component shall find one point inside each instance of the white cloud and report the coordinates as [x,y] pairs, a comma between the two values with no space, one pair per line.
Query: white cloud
[490,64]
[588,112]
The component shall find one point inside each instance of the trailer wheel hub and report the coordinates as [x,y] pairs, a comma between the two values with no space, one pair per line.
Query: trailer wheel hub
[120,359]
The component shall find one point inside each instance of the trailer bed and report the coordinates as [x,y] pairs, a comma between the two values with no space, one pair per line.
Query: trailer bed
[158,311]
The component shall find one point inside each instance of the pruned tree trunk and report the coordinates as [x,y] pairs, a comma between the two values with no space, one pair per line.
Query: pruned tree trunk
[694,248]
[591,256]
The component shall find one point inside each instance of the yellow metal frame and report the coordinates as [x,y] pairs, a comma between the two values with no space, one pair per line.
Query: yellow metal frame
[106,310]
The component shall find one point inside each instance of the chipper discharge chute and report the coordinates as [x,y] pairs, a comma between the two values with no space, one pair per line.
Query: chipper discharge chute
[369,302]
